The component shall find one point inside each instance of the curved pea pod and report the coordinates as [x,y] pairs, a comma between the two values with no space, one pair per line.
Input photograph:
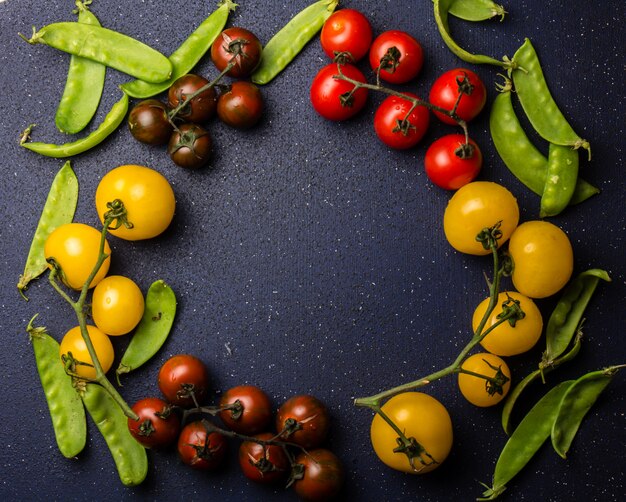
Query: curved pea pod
[561,177]
[476,10]
[188,53]
[291,39]
[153,329]
[66,409]
[110,123]
[83,86]
[537,101]
[105,46]
[575,404]
[528,437]
[129,456]
[568,312]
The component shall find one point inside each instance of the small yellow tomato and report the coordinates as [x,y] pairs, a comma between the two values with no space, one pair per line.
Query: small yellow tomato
[75,248]
[474,207]
[147,196]
[477,390]
[421,417]
[117,305]
[543,259]
[507,340]
[73,342]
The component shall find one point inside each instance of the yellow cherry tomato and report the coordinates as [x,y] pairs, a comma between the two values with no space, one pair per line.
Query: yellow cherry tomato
[543,259]
[507,340]
[147,196]
[75,248]
[117,305]
[478,390]
[421,417]
[73,342]
[475,206]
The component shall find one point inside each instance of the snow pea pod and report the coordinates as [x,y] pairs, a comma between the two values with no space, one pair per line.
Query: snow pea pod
[476,10]
[537,101]
[291,39]
[561,177]
[130,457]
[153,328]
[58,209]
[105,46]
[83,86]
[66,409]
[110,123]
[188,53]
[575,404]
[528,437]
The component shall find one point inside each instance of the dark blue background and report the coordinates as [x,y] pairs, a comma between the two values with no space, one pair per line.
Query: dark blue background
[310,258]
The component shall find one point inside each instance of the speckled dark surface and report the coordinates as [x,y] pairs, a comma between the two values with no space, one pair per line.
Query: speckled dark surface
[311,259]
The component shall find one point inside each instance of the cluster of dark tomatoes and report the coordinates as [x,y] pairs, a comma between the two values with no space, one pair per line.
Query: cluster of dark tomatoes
[396,57]
[283,447]
[193,100]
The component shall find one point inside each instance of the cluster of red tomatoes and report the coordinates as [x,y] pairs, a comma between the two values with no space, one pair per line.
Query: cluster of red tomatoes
[192,101]
[402,119]
[286,446]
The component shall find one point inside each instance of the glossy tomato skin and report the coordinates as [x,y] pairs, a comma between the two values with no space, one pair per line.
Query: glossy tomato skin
[73,342]
[157,426]
[75,247]
[148,122]
[446,90]
[147,196]
[389,118]
[263,464]
[419,416]
[450,163]
[201,108]
[226,46]
[240,105]
[323,475]
[181,373]
[346,30]
[303,420]
[477,390]
[326,92]
[117,305]
[410,57]
[254,414]
[201,449]
[190,146]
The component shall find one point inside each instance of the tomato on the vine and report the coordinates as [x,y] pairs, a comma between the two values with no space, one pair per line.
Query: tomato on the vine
[201,448]
[240,46]
[148,122]
[190,146]
[398,125]
[322,475]
[247,409]
[182,378]
[74,343]
[240,105]
[346,31]
[478,390]
[263,463]
[421,418]
[157,426]
[399,56]
[200,108]
[117,305]
[334,99]
[446,90]
[303,420]
[450,162]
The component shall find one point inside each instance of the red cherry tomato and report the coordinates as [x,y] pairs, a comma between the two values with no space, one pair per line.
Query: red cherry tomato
[450,163]
[395,128]
[240,105]
[303,420]
[253,411]
[322,477]
[346,30]
[238,45]
[180,376]
[263,463]
[200,448]
[328,93]
[157,426]
[398,65]
[446,90]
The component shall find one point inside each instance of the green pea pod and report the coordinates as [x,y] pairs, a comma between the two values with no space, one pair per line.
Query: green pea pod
[105,46]
[537,101]
[291,39]
[561,177]
[528,437]
[66,409]
[188,53]
[110,123]
[130,457]
[575,404]
[83,86]
[476,10]
[58,209]
[153,329]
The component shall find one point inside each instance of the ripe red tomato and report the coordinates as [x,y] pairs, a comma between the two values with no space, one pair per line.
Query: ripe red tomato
[239,45]
[446,90]
[393,126]
[346,30]
[322,477]
[399,65]
[263,463]
[157,426]
[182,375]
[450,164]
[328,95]
[303,420]
[253,412]
[200,448]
